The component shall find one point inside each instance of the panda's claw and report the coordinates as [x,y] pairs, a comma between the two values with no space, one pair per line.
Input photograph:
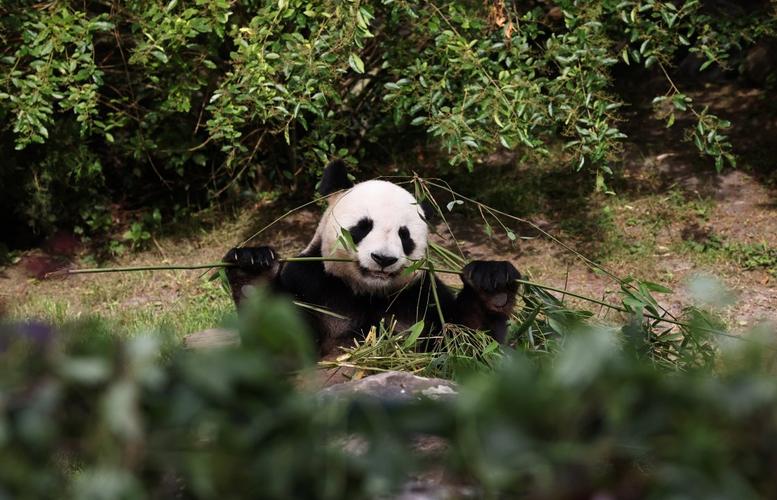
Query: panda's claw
[251,259]
[491,277]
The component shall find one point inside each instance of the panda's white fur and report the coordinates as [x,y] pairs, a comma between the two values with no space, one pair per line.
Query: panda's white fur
[390,208]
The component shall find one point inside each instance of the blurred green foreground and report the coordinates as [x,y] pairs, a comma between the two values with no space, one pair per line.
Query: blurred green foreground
[85,414]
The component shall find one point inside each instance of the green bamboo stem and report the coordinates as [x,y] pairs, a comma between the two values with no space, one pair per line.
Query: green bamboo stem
[97,270]
[67,272]
[171,267]
[175,267]
[572,294]
[433,282]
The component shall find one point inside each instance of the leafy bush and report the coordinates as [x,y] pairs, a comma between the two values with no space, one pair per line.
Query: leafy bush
[89,415]
[153,104]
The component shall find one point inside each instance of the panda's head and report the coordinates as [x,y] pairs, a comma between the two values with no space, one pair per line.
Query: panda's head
[386,224]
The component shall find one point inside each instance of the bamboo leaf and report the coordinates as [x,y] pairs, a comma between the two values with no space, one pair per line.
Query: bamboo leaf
[414,333]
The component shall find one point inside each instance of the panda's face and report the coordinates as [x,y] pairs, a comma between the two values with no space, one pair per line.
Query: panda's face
[388,231]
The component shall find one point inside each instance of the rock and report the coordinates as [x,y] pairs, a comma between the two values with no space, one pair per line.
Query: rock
[432,483]
[392,387]
[212,337]
[436,488]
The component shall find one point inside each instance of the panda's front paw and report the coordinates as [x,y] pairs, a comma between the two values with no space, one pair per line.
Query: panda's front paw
[253,260]
[494,282]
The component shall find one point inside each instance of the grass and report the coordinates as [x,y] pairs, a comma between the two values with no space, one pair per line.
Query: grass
[638,232]
[203,306]
[748,256]
[182,302]
[638,227]
[754,256]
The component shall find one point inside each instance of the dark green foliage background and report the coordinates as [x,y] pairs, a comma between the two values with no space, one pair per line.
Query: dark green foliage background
[143,104]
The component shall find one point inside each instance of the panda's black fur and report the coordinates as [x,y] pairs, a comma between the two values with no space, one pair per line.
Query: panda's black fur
[356,291]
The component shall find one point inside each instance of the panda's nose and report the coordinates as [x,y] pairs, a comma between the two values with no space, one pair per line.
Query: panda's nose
[383,260]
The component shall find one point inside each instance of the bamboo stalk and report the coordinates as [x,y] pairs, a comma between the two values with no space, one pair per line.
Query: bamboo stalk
[175,267]
[97,270]
[68,272]
[172,267]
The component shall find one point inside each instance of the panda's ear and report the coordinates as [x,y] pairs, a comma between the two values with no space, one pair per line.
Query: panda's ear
[335,178]
[428,212]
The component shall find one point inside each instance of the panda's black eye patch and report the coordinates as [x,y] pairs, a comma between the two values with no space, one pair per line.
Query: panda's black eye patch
[408,245]
[360,230]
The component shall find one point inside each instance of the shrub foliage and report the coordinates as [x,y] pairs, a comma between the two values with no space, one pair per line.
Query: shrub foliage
[92,414]
[151,103]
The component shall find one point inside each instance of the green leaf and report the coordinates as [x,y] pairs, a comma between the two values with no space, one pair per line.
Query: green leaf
[414,333]
[655,287]
[488,229]
[103,25]
[86,370]
[493,346]
[356,63]
[678,100]
[346,240]
[412,267]
[118,406]
[159,55]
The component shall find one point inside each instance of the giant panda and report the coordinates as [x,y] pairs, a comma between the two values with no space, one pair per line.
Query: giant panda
[389,232]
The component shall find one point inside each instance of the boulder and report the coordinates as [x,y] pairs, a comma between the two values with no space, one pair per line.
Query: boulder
[433,483]
[392,387]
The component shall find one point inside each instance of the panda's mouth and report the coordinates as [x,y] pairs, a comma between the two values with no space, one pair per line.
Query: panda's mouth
[381,275]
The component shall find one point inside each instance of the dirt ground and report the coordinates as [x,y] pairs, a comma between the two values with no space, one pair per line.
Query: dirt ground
[741,214]
[670,203]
